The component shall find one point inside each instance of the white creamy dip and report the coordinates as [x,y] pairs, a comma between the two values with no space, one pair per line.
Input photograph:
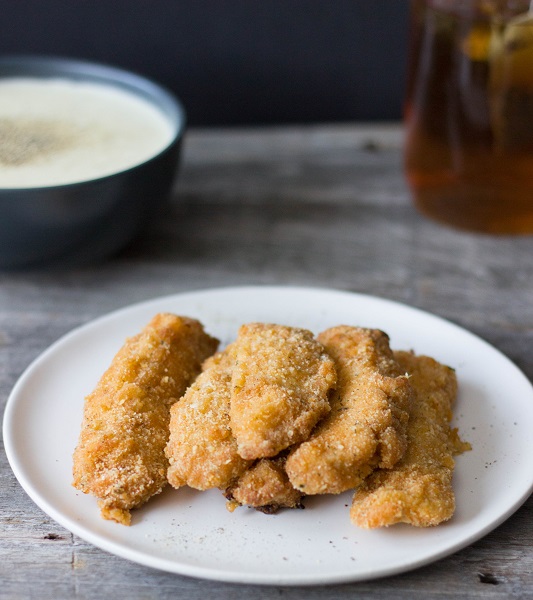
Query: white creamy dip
[57,131]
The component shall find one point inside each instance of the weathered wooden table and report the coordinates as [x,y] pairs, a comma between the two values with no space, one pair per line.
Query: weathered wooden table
[319,206]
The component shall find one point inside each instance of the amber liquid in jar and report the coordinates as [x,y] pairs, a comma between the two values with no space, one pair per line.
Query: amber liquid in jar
[469,113]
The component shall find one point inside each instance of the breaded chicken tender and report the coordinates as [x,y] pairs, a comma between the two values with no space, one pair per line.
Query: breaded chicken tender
[120,457]
[202,451]
[280,386]
[366,427]
[418,490]
[265,487]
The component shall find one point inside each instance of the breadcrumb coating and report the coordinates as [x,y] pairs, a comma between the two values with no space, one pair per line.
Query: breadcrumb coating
[201,449]
[120,457]
[280,385]
[275,416]
[264,486]
[366,426]
[418,490]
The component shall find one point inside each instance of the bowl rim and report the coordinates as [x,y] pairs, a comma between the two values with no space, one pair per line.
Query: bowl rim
[54,66]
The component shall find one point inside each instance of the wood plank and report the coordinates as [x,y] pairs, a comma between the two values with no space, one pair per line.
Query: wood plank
[321,206]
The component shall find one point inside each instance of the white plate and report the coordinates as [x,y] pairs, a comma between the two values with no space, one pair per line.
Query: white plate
[192,533]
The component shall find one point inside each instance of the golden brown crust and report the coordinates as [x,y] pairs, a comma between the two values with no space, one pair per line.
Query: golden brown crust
[368,419]
[201,449]
[264,486]
[419,489]
[280,382]
[120,456]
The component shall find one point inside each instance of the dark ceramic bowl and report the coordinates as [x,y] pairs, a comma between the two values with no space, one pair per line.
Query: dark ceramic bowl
[84,222]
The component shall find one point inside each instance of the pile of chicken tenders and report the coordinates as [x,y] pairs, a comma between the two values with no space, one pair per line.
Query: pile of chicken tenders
[276,416]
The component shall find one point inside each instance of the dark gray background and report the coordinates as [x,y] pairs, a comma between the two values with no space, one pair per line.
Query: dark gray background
[234,62]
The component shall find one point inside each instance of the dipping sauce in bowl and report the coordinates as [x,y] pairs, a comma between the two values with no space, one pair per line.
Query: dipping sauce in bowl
[88,155]
[56,132]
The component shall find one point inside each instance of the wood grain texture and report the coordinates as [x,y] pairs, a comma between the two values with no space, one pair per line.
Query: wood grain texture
[321,206]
